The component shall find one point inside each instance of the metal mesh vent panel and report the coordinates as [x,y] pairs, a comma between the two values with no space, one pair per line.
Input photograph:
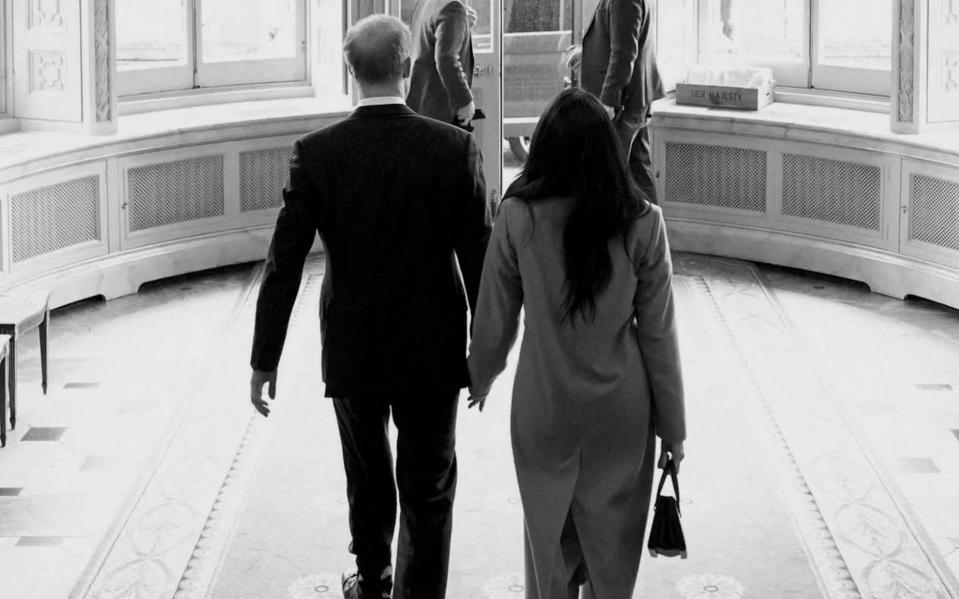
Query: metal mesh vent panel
[263,174]
[716,176]
[53,218]
[935,211]
[833,191]
[175,192]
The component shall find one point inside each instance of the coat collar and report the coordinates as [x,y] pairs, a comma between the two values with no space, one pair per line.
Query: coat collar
[383,110]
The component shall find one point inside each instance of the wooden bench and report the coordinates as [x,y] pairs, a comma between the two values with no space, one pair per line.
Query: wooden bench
[4,366]
[18,315]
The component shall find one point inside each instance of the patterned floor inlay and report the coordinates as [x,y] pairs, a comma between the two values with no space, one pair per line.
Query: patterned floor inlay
[81,385]
[40,541]
[43,433]
[910,465]
[710,586]
[934,387]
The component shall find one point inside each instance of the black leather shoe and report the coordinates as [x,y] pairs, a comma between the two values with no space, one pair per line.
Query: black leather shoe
[352,589]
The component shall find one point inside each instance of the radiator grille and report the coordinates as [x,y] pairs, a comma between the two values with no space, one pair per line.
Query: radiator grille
[935,211]
[175,192]
[832,191]
[716,176]
[263,174]
[53,218]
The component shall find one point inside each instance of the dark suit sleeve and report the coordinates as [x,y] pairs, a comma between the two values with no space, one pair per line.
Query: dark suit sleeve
[474,221]
[296,229]
[625,25]
[452,28]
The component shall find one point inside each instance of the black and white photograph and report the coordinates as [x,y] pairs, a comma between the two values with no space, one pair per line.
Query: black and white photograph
[479,299]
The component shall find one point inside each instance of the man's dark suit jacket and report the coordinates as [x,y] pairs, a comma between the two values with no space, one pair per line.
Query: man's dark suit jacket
[396,199]
[619,63]
[442,59]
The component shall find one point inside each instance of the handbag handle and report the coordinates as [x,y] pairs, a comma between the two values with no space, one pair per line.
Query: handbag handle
[669,469]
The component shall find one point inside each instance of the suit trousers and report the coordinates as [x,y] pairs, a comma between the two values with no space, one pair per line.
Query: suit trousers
[425,477]
[632,127]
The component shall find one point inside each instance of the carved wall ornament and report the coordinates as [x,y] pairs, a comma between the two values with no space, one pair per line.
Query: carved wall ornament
[47,14]
[907,18]
[104,102]
[951,73]
[952,12]
[47,71]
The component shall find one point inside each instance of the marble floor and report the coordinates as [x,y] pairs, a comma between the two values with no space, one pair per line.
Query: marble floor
[822,461]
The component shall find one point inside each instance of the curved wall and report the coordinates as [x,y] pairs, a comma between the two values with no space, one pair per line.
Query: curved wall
[820,189]
[110,213]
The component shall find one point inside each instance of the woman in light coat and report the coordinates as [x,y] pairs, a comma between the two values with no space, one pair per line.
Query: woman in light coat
[579,247]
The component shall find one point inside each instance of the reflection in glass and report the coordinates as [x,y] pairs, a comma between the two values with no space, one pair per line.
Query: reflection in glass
[536,36]
[753,31]
[151,33]
[856,33]
[482,30]
[248,30]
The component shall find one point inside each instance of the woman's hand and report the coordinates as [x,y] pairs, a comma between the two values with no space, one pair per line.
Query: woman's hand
[475,400]
[671,451]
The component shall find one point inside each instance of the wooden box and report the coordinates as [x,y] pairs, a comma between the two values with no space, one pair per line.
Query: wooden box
[723,96]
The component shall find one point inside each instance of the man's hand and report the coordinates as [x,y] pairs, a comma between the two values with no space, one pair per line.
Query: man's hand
[465,114]
[672,451]
[257,380]
[471,15]
[610,111]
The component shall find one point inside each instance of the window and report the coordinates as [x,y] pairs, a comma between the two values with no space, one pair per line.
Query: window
[165,45]
[840,45]
[4,37]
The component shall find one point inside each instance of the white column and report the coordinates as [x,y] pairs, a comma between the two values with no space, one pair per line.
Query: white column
[925,73]
[64,64]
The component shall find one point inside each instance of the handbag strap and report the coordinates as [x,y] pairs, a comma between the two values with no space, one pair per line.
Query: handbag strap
[670,469]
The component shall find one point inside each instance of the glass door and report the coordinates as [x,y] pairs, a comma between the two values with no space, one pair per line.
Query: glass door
[487,85]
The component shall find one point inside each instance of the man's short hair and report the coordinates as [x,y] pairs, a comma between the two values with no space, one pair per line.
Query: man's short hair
[377,48]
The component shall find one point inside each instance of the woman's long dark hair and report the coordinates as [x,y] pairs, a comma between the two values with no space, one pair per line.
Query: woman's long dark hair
[575,153]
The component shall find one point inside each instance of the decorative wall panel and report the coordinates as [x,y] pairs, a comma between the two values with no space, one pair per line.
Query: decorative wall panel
[716,176]
[934,211]
[52,218]
[263,174]
[833,191]
[174,192]
[47,15]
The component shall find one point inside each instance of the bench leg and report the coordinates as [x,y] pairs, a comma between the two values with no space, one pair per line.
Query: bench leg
[12,377]
[3,402]
[43,350]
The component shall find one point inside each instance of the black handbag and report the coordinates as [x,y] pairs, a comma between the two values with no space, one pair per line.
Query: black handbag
[666,534]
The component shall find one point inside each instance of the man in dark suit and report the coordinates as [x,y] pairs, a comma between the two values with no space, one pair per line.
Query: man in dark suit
[618,66]
[442,61]
[398,200]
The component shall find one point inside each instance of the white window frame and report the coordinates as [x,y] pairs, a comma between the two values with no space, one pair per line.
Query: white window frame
[6,91]
[194,73]
[809,74]
[875,82]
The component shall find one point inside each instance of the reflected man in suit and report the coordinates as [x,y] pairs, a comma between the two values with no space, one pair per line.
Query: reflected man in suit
[618,65]
[442,76]
[399,201]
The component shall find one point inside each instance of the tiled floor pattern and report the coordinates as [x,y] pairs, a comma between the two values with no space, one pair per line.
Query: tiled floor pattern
[119,376]
[107,504]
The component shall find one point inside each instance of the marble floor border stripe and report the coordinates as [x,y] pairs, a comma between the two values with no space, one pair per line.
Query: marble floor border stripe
[887,479]
[108,544]
[860,515]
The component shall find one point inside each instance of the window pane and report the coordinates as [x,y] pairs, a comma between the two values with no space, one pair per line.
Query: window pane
[758,32]
[675,39]
[482,30]
[536,36]
[234,30]
[856,33]
[151,33]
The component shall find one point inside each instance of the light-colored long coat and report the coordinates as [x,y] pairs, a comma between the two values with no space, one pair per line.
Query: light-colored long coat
[586,394]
